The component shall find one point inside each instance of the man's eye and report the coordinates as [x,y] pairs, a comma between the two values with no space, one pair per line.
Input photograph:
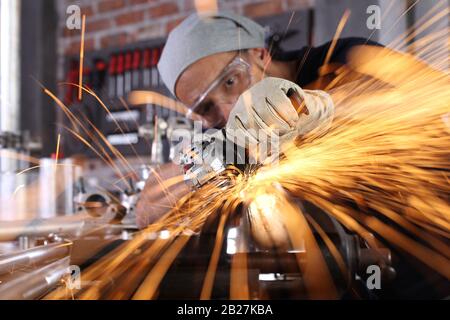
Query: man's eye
[230,82]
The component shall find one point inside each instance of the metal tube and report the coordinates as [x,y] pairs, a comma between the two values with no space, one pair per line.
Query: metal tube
[10,231]
[32,285]
[34,257]
[73,226]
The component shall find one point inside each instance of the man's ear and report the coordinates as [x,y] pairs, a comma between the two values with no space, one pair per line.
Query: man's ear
[260,56]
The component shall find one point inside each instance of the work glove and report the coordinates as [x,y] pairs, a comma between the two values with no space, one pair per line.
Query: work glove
[276,111]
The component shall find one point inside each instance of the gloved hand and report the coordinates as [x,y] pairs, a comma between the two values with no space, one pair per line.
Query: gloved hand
[277,108]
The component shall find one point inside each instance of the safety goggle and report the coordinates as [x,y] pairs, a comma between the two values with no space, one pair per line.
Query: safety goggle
[234,80]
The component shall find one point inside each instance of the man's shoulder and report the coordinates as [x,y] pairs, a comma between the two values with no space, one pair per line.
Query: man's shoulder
[313,58]
[344,45]
[352,41]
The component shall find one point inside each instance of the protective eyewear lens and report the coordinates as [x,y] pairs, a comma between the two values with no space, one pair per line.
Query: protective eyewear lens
[233,81]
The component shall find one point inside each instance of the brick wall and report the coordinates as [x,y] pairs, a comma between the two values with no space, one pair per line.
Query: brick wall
[115,23]
[111,23]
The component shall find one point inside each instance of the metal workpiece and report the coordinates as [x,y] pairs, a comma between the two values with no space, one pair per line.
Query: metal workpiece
[98,204]
[271,272]
[36,256]
[34,264]
[34,284]
[30,273]
[112,207]
[277,264]
[72,226]
[42,227]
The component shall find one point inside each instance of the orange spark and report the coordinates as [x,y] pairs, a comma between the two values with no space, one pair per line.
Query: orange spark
[80,80]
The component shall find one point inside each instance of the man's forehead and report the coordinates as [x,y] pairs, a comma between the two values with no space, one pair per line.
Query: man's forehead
[198,77]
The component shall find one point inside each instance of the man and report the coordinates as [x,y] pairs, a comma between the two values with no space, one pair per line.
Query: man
[211,63]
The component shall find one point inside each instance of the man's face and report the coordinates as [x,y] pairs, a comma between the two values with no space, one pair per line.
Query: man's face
[217,105]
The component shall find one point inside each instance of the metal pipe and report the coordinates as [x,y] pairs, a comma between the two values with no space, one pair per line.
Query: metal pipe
[32,285]
[34,257]
[72,226]
[10,231]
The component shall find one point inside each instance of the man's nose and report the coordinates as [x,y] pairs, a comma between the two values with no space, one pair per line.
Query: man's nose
[223,104]
[219,116]
[225,110]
